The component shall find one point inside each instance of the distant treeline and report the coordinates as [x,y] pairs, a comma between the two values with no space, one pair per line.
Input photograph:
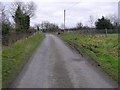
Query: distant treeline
[102,26]
[21,14]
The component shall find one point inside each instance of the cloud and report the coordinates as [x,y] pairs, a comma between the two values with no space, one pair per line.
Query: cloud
[76,11]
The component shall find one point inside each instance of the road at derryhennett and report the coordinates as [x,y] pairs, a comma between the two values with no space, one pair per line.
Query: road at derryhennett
[55,65]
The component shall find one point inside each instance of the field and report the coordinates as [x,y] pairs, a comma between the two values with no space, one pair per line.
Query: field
[103,50]
[16,55]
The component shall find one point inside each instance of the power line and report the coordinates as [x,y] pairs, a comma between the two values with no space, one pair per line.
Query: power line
[73,5]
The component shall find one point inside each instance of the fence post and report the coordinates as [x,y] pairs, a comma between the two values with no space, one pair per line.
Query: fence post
[106,32]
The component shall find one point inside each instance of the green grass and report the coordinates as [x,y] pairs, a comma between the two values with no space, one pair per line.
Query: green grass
[0,67]
[101,49]
[15,56]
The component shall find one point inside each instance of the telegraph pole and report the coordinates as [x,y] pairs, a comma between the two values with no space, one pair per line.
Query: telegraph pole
[64,18]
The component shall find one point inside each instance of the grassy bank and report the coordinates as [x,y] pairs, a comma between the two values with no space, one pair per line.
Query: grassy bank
[16,55]
[104,50]
[0,67]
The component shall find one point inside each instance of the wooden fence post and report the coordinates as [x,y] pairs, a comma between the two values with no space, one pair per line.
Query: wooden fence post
[106,32]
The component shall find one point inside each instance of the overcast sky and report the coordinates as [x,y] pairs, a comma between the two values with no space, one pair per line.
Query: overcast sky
[76,10]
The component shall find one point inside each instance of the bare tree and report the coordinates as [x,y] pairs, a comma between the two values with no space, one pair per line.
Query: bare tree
[91,20]
[47,26]
[113,18]
[1,10]
[27,8]
[79,25]
[13,8]
[3,14]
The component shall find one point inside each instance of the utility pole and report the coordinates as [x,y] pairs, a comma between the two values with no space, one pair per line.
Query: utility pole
[64,18]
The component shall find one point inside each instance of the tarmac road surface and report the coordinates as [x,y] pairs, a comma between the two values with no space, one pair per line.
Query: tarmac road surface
[55,65]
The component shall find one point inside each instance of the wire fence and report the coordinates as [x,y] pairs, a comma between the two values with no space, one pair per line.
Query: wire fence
[94,31]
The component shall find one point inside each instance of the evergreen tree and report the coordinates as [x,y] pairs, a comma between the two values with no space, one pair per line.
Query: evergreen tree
[104,23]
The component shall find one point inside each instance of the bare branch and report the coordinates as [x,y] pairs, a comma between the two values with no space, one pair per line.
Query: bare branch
[4,18]
[27,8]
[30,9]
[91,20]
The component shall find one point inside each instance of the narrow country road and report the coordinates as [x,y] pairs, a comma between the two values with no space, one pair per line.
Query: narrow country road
[55,65]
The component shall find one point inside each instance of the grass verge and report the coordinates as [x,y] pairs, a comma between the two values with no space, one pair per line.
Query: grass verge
[104,50]
[15,56]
